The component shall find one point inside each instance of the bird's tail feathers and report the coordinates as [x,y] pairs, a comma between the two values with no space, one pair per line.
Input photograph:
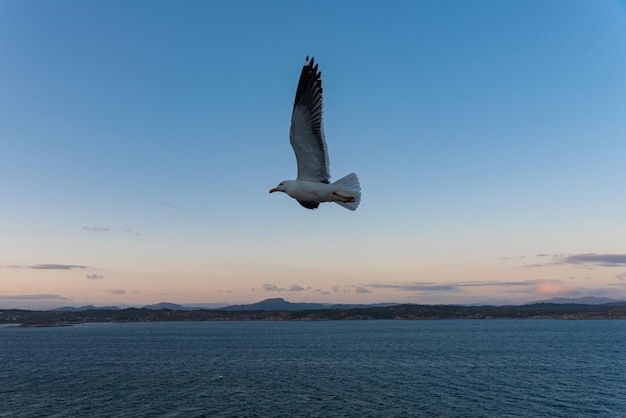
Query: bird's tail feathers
[350,184]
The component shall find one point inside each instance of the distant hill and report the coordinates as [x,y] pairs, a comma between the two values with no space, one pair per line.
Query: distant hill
[167,305]
[280,304]
[587,300]
[276,304]
[85,308]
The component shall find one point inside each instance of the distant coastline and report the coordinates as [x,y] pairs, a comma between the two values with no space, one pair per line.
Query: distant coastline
[570,311]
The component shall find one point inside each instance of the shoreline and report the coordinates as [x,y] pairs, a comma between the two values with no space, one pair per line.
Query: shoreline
[39,319]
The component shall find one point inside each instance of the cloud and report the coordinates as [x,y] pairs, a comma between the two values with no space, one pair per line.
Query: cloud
[553,287]
[117,291]
[43,296]
[362,289]
[454,287]
[50,267]
[538,287]
[523,257]
[529,289]
[57,266]
[342,289]
[419,287]
[95,276]
[604,260]
[587,260]
[268,287]
[95,228]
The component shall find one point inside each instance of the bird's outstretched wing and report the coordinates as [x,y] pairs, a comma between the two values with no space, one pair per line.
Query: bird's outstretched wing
[307,134]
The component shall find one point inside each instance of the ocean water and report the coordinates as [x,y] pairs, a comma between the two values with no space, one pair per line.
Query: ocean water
[471,368]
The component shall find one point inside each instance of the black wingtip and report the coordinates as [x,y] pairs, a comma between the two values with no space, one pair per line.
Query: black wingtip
[310,80]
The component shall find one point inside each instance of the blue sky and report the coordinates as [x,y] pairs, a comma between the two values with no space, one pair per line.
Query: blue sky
[139,140]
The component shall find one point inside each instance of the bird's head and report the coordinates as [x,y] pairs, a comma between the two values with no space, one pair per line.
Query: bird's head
[282,187]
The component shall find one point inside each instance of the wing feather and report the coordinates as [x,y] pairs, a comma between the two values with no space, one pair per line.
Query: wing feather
[307,134]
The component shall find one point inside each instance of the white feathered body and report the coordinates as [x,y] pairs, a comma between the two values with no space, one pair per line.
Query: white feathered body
[313,191]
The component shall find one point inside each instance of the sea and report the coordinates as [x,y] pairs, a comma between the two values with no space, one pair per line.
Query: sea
[448,368]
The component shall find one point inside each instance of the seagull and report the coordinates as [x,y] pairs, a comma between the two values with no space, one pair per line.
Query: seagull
[312,186]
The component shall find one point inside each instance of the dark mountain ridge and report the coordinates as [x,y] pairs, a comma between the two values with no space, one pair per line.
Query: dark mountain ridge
[280,304]
[405,312]
[84,308]
[586,300]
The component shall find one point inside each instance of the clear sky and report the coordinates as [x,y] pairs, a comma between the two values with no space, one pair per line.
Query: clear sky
[139,139]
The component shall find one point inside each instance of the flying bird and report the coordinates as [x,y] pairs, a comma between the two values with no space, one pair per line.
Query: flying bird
[313,186]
